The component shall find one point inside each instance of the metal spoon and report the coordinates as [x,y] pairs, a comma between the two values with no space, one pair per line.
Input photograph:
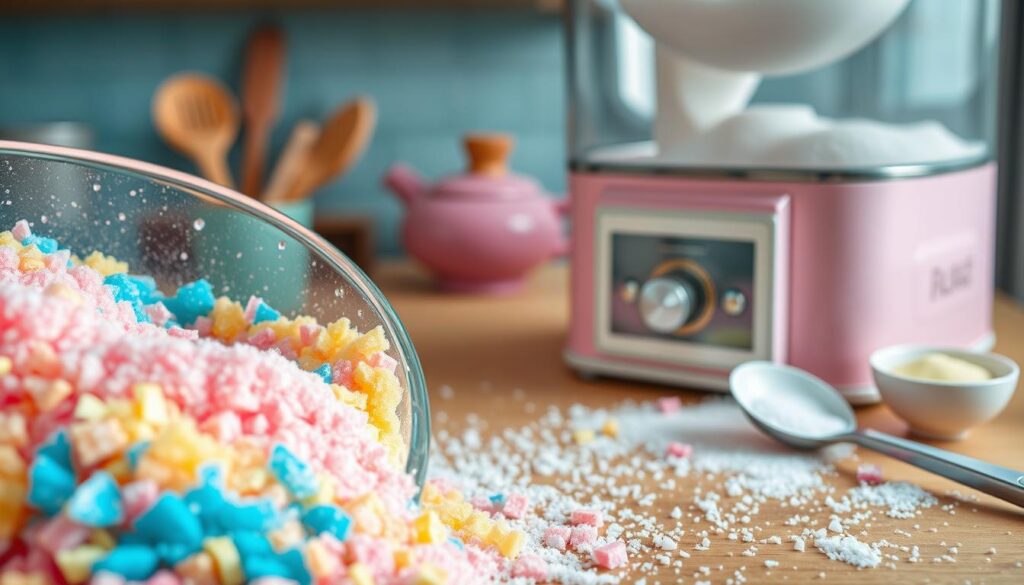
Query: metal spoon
[753,384]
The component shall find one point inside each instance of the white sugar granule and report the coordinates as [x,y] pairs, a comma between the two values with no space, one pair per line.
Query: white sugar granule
[771,564]
[798,544]
[902,499]
[799,416]
[847,549]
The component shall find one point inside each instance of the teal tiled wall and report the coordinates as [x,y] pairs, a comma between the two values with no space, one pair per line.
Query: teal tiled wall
[434,74]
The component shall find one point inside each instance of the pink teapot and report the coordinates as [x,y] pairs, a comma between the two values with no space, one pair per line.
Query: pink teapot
[481,231]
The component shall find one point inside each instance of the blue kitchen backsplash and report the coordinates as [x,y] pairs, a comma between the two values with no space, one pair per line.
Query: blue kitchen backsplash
[434,74]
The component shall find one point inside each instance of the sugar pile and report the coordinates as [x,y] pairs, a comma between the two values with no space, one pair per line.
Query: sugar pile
[671,510]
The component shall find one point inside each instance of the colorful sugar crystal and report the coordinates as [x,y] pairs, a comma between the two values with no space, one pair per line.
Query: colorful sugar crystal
[869,474]
[678,450]
[611,555]
[588,517]
[97,502]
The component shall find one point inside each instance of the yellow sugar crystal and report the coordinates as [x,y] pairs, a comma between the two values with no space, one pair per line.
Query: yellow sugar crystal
[402,558]
[320,562]
[226,562]
[430,495]
[59,289]
[368,514]
[508,542]
[428,574]
[11,577]
[102,538]
[150,404]
[360,574]
[90,408]
[97,441]
[610,428]
[30,259]
[76,563]
[455,514]
[47,394]
[13,429]
[348,397]
[583,436]
[325,495]
[12,506]
[176,454]
[105,265]
[429,529]
[287,536]
[228,319]
[7,240]
[198,569]
[367,344]
[478,525]
[12,466]
[5,365]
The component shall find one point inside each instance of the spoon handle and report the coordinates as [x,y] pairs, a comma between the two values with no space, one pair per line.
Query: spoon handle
[1001,482]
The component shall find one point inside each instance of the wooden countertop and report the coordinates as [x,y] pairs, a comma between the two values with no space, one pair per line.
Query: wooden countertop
[485,348]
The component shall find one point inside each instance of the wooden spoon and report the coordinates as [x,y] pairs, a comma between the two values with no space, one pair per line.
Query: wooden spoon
[292,159]
[261,80]
[197,115]
[344,137]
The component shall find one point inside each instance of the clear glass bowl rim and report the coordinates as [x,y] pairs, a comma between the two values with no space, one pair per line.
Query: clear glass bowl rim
[419,436]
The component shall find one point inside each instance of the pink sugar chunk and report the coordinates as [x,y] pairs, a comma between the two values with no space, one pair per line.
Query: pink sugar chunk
[106,578]
[21,230]
[557,537]
[670,404]
[163,577]
[869,474]
[366,550]
[159,314]
[383,360]
[263,339]
[225,426]
[61,533]
[530,566]
[587,517]
[308,333]
[516,506]
[611,555]
[341,373]
[251,307]
[138,496]
[583,536]
[9,260]
[58,261]
[180,333]
[678,450]
[203,325]
[483,504]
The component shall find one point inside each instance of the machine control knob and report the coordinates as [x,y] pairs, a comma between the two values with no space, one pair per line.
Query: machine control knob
[666,303]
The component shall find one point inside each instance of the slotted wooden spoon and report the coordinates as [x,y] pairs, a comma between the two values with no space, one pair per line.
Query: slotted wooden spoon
[198,116]
[342,140]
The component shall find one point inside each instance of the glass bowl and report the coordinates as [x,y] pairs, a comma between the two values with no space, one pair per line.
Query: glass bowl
[177,228]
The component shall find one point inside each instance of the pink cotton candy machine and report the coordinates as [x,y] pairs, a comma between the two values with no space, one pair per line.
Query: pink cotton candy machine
[803,181]
[177,228]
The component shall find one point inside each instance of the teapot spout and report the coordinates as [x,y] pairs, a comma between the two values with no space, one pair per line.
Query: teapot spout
[405,183]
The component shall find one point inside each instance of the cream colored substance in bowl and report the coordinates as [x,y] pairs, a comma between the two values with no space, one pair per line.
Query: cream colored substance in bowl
[943,409]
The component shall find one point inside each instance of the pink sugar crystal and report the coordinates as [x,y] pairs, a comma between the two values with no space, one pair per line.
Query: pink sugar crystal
[678,450]
[21,230]
[483,504]
[203,325]
[530,566]
[557,537]
[587,517]
[251,307]
[138,496]
[159,314]
[869,474]
[367,550]
[308,333]
[670,404]
[61,533]
[183,333]
[341,373]
[225,426]
[163,577]
[582,536]
[264,339]
[106,578]
[383,360]
[611,555]
[516,506]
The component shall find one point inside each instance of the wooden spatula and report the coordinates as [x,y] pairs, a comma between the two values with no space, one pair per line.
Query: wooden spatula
[292,160]
[261,89]
[343,138]
[198,116]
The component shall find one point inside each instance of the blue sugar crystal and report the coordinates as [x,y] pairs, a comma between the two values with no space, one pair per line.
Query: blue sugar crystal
[192,301]
[132,561]
[57,448]
[324,372]
[146,285]
[50,485]
[173,553]
[170,520]
[251,543]
[265,313]
[458,543]
[256,516]
[497,499]
[293,473]
[292,559]
[45,245]
[97,502]
[330,519]
[135,452]
[255,567]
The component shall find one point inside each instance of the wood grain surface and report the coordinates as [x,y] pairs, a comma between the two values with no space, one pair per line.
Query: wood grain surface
[486,349]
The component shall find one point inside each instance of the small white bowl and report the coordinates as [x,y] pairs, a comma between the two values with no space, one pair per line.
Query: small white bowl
[943,410]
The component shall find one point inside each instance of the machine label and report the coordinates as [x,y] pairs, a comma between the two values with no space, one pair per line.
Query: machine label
[947,272]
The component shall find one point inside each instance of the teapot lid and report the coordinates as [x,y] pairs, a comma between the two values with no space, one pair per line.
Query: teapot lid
[487,177]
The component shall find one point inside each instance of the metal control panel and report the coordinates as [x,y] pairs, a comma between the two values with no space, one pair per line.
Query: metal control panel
[692,288]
